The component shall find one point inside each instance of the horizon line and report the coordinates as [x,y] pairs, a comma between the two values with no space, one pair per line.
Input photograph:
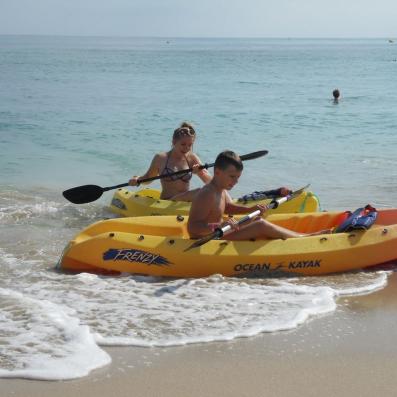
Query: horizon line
[203,37]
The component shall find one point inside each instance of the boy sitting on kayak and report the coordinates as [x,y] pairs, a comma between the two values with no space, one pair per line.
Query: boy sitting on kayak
[212,202]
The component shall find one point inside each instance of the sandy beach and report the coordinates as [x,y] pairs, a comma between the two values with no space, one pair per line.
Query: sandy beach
[351,352]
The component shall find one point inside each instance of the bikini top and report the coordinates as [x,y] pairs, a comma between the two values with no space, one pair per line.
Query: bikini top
[172,178]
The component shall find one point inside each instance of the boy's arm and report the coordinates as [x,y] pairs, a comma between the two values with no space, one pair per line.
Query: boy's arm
[235,209]
[199,213]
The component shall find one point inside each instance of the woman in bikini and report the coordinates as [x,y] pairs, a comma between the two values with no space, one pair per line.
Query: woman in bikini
[180,157]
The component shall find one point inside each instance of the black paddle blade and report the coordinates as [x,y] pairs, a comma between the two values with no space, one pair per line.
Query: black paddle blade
[201,241]
[254,155]
[83,194]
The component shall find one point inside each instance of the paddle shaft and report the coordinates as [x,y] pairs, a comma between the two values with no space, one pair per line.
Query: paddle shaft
[244,157]
[228,228]
[88,193]
[153,178]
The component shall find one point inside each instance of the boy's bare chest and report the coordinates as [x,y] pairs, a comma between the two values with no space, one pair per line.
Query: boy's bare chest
[219,206]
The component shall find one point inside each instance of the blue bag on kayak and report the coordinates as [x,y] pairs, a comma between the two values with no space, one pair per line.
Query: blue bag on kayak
[360,219]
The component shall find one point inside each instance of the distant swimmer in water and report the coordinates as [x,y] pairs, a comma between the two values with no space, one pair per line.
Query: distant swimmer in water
[336,95]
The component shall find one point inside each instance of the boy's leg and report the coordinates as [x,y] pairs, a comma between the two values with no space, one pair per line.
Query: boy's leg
[262,229]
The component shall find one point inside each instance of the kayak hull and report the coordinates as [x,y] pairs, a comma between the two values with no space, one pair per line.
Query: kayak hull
[155,246]
[147,202]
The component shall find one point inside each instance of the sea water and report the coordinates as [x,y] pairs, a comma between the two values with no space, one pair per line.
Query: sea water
[77,110]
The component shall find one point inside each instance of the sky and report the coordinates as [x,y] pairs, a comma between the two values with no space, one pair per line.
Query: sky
[201,18]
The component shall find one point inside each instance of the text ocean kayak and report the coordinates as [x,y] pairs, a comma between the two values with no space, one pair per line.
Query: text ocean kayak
[155,246]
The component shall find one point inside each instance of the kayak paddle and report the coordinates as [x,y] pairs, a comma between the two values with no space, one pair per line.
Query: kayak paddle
[220,232]
[88,193]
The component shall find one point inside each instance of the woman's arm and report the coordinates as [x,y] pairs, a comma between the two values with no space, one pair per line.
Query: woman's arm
[203,174]
[150,173]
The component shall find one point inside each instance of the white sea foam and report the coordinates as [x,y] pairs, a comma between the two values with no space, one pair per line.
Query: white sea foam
[52,323]
[361,285]
[151,312]
[17,212]
[15,206]
[39,340]
[19,208]
[214,309]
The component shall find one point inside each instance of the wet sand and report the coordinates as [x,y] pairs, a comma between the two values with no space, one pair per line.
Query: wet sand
[350,352]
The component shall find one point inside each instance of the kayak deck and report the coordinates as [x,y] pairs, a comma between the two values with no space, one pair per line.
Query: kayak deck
[147,202]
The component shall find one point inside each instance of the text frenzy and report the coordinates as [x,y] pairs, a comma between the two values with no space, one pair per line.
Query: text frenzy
[132,255]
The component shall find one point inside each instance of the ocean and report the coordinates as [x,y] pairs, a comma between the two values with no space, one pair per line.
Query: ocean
[94,110]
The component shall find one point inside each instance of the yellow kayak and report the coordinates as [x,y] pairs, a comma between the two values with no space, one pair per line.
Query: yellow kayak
[147,202]
[155,246]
